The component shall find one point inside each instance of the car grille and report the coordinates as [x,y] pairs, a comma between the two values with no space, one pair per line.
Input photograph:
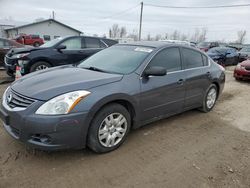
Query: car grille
[15,100]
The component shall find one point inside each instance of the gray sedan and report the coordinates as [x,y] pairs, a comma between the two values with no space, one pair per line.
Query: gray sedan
[98,102]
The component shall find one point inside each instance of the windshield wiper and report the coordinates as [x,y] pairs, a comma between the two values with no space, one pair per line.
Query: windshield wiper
[95,69]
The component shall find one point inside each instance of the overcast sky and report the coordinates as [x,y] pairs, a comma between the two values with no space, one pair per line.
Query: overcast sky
[95,16]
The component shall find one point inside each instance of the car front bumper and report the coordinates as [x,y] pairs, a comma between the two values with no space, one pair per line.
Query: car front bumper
[242,74]
[46,132]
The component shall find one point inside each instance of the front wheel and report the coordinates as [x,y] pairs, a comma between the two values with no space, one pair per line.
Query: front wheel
[41,65]
[210,98]
[109,128]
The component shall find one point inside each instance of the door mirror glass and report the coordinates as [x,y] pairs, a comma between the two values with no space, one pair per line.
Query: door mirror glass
[155,71]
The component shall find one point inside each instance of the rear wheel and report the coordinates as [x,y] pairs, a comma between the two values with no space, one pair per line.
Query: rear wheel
[109,128]
[41,65]
[210,98]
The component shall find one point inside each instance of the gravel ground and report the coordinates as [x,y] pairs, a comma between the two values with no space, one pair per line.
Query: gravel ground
[192,149]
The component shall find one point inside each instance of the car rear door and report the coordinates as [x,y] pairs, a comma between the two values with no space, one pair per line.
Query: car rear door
[198,77]
[91,46]
[163,95]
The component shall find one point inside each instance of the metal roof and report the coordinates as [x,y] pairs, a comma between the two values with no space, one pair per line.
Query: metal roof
[47,20]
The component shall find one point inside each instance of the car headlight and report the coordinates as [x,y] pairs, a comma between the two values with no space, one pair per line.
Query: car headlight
[62,104]
[18,56]
[239,66]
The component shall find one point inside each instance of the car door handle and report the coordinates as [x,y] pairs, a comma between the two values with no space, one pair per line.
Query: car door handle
[180,82]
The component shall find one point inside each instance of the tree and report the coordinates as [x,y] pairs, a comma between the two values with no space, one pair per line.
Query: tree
[199,35]
[115,31]
[123,32]
[175,35]
[149,37]
[134,35]
[157,37]
[241,36]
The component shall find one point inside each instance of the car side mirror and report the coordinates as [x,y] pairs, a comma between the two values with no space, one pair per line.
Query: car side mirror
[61,47]
[155,71]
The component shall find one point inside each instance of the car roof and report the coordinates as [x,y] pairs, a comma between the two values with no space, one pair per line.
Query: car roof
[153,44]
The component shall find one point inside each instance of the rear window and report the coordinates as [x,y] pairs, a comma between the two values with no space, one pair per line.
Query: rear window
[109,42]
[192,58]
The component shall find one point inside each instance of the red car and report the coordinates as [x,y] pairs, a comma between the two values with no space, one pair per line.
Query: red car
[242,71]
[33,40]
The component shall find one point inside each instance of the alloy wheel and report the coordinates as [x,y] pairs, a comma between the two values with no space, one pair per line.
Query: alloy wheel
[112,130]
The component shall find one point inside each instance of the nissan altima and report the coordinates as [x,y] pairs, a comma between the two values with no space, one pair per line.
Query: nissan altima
[96,103]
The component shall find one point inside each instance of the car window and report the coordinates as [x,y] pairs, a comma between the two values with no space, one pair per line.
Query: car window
[92,43]
[1,43]
[102,45]
[168,58]
[192,58]
[73,43]
[205,60]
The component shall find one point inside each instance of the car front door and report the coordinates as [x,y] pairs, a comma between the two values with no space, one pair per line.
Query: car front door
[198,77]
[72,53]
[163,95]
[232,57]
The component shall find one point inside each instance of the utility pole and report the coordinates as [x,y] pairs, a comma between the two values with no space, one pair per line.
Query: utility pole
[53,15]
[140,21]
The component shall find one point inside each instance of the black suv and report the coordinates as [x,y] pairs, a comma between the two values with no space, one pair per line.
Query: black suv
[60,51]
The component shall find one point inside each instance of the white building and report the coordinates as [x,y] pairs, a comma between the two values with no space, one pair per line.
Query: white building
[46,29]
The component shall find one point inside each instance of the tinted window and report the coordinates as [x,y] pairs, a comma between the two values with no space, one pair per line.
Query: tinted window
[92,43]
[110,42]
[192,58]
[35,36]
[167,58]
[205,60]
[73,43]
[46,37]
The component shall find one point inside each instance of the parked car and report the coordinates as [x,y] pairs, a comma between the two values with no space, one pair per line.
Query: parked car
[244,53]
[205,46]
[5,46]
[32,40]
[242,71]
[187,43]
[96,103]
[224,55]
[60,51]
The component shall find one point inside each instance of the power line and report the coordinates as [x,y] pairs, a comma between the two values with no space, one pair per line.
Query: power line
[122,12]
[198,7]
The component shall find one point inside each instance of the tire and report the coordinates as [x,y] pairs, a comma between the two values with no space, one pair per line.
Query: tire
[40,65]
[102,137]
[211,95]
[36,44]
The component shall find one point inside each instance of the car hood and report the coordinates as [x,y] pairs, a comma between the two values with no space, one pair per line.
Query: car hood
[245,63]
[44,85]
[26,49]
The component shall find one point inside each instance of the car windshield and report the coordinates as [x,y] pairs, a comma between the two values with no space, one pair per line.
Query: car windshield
[121,59]
[51,43]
